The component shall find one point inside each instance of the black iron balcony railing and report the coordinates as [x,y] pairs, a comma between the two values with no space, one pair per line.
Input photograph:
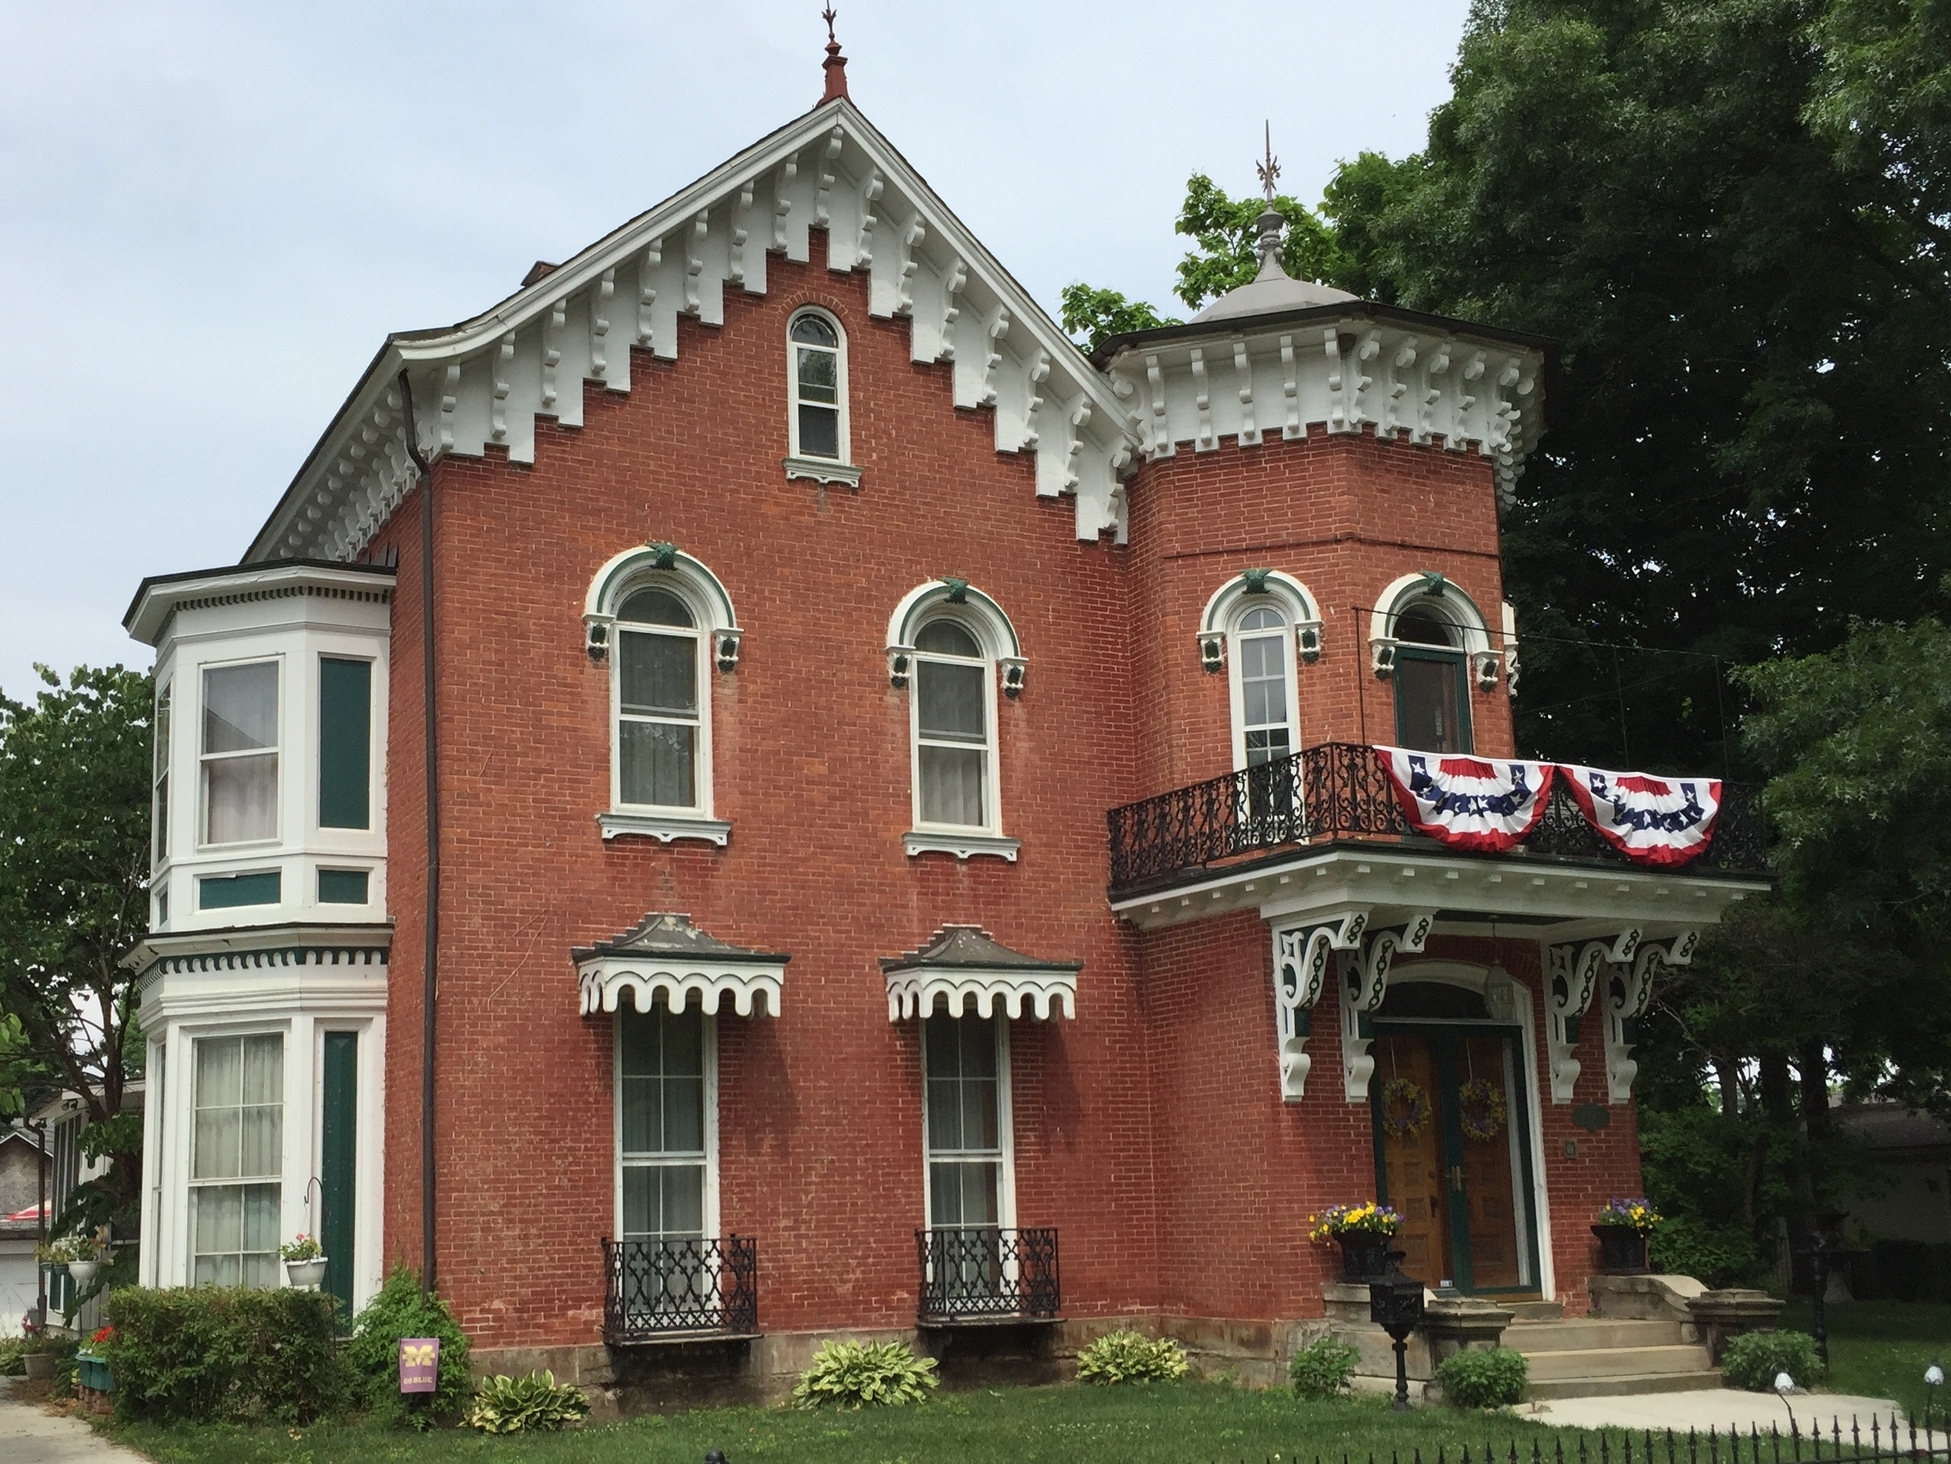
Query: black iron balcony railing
[1338,791]
[656,1288]
[987,1273]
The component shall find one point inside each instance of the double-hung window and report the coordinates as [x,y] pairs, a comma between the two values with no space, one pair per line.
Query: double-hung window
[663,1096]
[159,775]
[1432,703]
[237,1160]
[819,388]
[954,721]
[660,711]
[239,753]
[964,1060]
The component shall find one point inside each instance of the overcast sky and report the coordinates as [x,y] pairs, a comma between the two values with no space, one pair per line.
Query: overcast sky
[212,213]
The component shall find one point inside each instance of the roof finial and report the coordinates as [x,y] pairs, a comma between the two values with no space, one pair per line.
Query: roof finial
[1270,220]
[835,63]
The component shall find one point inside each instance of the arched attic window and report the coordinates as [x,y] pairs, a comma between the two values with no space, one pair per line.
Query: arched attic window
[816,410]
[1430,640]
[953,648]
[663,621]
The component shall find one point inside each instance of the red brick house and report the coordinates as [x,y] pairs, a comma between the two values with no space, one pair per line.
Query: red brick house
[751,791]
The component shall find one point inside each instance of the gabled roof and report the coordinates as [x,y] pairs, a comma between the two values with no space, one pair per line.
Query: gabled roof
[482,381]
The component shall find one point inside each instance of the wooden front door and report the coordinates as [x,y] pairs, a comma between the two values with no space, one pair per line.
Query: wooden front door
[1449,1117]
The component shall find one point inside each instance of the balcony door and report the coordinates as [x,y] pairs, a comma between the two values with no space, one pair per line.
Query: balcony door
[1449,1107]
[666,1138]
[965,1065]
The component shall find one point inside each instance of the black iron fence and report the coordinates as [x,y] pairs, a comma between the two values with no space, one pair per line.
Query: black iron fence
[1338,790]
[977,1272]
[1881,1441]
[657,1287]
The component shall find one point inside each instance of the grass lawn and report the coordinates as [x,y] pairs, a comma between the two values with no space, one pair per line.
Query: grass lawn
[1159,1423]
[1880,1348]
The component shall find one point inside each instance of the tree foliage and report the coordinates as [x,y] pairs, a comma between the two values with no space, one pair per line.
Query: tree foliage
[74,895]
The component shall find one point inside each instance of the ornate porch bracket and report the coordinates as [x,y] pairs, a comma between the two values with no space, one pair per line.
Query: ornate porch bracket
[1629,992]
[1301,957]
[1575,975]
[1364,982]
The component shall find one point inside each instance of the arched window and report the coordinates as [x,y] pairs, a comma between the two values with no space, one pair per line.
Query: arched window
[1429,638]
[818,365]
[1266,625]
[952,647]
[663,621]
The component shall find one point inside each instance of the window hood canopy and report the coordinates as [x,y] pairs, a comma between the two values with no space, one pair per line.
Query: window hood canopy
[966,964]
[666,953]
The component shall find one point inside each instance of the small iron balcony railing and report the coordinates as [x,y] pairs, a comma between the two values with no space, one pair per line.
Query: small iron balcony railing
[655,1288]
[1338,791]
[988,1273]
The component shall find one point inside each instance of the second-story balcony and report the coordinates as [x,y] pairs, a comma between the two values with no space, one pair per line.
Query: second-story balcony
[1337,793]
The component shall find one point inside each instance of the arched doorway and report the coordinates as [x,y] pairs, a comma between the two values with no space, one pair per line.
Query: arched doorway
[1452,1125]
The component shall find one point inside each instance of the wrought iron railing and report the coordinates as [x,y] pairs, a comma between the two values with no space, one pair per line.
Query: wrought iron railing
[1338,790]
[655,1288]
[978,1272]
[1792,1439]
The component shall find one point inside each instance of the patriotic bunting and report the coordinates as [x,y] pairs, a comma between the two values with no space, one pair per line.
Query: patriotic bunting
[1468,802]
[1661,821]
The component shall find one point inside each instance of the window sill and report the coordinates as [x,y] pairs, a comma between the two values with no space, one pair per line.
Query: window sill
[962,846]
[664,827]
[823,470]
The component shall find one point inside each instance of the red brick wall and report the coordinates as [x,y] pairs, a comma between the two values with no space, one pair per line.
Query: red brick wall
[1149,1130]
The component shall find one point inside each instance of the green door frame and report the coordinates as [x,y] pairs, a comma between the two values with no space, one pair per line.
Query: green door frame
[1443,1036]
[1459,668]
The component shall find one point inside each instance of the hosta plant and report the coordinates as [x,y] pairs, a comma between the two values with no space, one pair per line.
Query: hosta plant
[864,1375]
[1128,1357]
[535,1403]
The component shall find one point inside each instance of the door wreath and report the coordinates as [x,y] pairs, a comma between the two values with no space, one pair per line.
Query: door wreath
[1480,1109]
[1405,1109]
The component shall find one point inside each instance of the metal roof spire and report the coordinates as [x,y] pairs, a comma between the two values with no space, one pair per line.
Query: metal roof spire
[1269,220]
[835,64]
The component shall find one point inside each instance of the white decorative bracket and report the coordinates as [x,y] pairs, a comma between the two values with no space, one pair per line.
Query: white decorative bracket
[1307,641]
[1382,656]
[900,662]
[1575,974]
[1629,992]
[1365,981]
[1212,652]
[724,648]
[1484,663]
[1301,959]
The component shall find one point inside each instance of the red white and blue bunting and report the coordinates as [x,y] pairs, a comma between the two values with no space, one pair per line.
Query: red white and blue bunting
[1660,821]
[1468,802]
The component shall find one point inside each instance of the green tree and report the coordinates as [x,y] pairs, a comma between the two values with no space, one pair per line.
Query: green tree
[74,896]
[1091,315]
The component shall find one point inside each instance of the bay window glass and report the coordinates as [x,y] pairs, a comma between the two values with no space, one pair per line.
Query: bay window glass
[662,1096]
[659,721]
[1432,700]
[954,751]
[962,1061]
[237,1160]
[816,387]
[159,774]
[240,753]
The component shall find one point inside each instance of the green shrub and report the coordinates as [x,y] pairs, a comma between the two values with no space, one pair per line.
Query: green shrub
[372,1353]
[215,1354]
[1483,1378]
[1720,1255]
[864,1374]
[1128,1357]
[1753,1359]
[13,1357]
[1323,1367]
[516,1405]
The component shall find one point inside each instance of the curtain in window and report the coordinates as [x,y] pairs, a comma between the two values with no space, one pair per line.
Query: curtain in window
[657,735]
[662,1077]
[964,1123]
[240,761]
[239,1135]
[953,725]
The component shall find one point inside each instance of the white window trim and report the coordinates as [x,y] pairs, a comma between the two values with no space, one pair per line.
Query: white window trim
[711,1226]
[203,759]
[1235,676]
[1005,1126]
[699,635]
[191,1184]
[1481,659]
[798,464]
[990,828]
[162,729]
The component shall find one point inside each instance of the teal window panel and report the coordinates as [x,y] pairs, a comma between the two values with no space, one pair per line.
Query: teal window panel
[345,739]
[224,892]
[338,1164]
[342,886]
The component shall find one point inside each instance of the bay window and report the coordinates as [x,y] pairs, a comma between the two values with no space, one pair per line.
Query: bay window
[237,1160]
[239,753]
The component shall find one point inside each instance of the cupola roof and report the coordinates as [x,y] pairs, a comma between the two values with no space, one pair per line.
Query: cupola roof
[1272,289]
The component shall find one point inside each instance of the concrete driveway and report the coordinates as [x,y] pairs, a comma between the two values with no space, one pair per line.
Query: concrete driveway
[30,1435]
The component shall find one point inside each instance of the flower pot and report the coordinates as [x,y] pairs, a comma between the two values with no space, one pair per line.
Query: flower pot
[306,1275]
[1364,1255]
[84,1273]
[1622,1249]
[42,1365]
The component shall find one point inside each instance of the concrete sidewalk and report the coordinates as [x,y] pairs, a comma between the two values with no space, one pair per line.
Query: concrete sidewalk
[30,1435]
[1719,1409]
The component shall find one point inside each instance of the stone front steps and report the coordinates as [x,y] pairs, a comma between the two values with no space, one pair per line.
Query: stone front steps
[1590,1357]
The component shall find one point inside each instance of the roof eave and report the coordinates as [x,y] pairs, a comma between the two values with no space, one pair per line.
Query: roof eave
[1112,347]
